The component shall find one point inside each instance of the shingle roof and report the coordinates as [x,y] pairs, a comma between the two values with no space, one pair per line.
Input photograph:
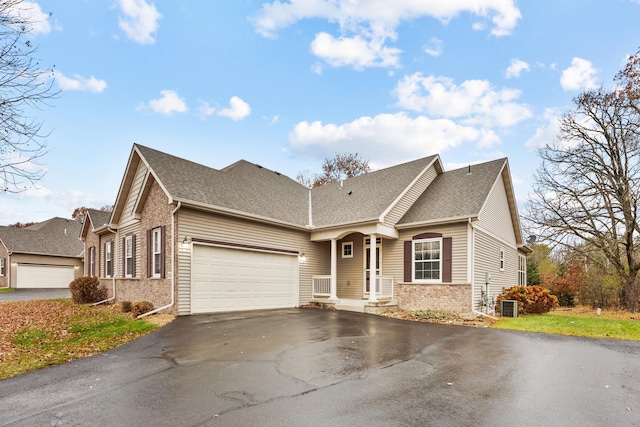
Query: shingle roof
[243,187]
[364,197]
[98,218]
[56,236]
[455,193]
[252,189]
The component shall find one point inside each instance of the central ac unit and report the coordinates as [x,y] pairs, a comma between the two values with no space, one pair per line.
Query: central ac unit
[509,308]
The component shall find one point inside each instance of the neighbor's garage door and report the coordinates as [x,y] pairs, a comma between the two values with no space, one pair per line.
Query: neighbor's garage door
[44,276]
[225,279]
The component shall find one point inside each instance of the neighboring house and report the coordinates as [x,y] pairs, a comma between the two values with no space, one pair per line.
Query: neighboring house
[48,254]
[192,239]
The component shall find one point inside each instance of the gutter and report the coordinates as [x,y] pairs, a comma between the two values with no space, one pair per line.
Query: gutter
[479,313]
[113,276]
[173,264]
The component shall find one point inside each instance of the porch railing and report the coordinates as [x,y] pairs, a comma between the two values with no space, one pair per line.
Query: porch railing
[321,286]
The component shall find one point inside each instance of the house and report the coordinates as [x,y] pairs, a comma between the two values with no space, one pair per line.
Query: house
[48,254]
[193,239]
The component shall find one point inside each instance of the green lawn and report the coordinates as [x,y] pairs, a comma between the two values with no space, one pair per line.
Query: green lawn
[5,290]
[576,325]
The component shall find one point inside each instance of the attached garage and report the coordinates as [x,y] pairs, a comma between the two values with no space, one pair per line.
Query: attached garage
[44,276]
[233,279]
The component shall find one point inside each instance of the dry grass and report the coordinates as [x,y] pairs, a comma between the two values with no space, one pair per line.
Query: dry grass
[35,334]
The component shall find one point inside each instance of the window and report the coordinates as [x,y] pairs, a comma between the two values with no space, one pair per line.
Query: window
[108,265]
[157,253]
[522,270]
[427,260]
[347,249]
[501,259]
[92,261]
[2,267]
[128,256]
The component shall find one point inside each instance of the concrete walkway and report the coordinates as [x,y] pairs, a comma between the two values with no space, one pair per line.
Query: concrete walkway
[31,294]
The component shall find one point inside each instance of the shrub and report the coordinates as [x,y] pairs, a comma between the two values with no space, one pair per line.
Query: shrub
[141,307]
[87,290]
[126,306]
[531,299]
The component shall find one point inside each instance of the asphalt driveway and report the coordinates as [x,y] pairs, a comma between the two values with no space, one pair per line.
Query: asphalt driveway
[318,368]
[32,294]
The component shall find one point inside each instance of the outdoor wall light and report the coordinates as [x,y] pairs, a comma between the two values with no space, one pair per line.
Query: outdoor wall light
[185,242]
[302,257]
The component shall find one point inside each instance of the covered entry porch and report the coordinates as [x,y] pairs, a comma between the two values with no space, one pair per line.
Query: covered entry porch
[356,279]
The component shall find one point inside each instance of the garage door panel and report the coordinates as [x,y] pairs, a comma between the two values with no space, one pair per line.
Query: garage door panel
[225,279]
[44,276]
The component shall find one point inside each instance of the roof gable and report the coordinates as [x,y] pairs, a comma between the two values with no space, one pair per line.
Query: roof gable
[459,193]
[94,220]
[365,197]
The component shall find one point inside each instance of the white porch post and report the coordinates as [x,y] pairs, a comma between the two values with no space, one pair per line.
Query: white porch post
[334,270]
[373,258]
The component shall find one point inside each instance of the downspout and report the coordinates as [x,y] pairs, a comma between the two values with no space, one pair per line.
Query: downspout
[173,265]
[113,276]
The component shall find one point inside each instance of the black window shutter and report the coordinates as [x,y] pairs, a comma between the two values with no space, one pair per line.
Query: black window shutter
[104,259]
[163,233]
[446,260]
[149,253]
[408,261]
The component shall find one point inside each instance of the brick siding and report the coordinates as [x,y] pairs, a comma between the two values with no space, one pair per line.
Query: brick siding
[156,213]
[452,298]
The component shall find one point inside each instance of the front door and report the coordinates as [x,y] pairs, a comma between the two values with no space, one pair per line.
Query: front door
[367,262]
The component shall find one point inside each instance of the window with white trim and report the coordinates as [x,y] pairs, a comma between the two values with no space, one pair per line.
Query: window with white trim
[128,256]
[427,260]
[501,259]
[522,270]
[108,264]
[156,266]
[2,267]
[347,249]
[92,261]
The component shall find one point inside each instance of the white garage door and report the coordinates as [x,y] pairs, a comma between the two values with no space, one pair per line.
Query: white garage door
[225,279]
[44,276]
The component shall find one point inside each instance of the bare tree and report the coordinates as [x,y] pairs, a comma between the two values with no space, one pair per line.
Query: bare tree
[341,167]
[25,86]
[587,189]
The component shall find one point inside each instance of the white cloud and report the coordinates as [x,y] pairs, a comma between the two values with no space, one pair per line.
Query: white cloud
[206,109]
[32,13]
[546,134]
[237,110]
[357,52]
[169,103]
[387,138]
[580,75]
[516,68]
[80,83]
[366,26]
[140,20]
[434,48]
[474,102]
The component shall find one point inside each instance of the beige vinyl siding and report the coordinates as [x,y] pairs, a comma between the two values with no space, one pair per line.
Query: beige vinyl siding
[130,229]
[410,197]
[495,216]
[351,270]
[196,224]
[393,251]
[134,193]
[487,259]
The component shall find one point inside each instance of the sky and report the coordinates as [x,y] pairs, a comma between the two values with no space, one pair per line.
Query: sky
[288,83]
